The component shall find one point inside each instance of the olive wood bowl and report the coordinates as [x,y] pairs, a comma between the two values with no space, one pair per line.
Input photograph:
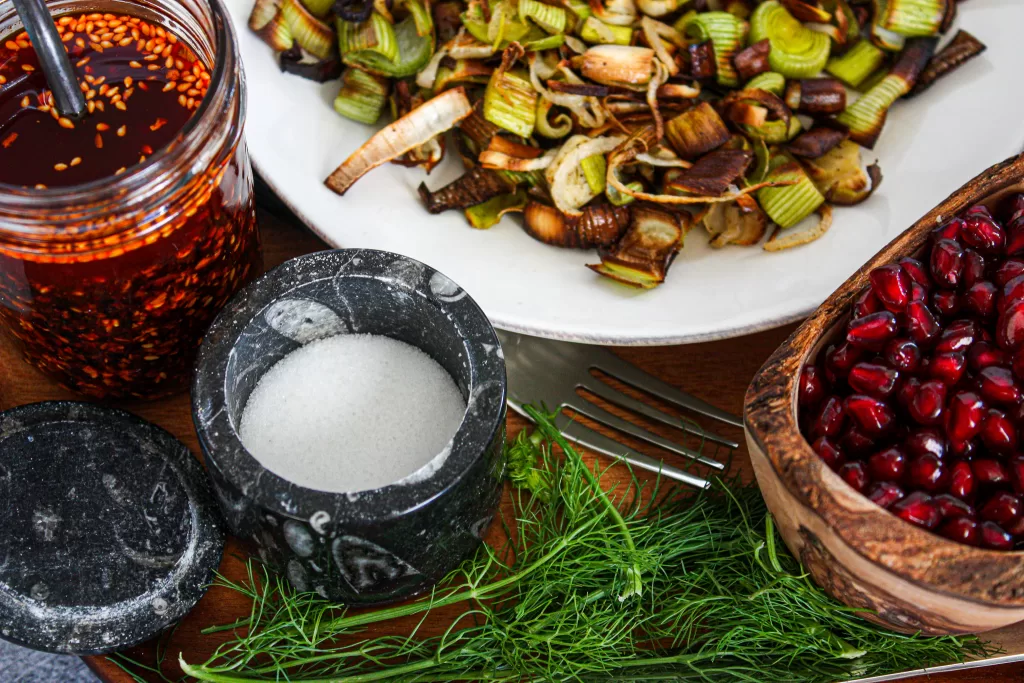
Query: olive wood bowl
[909,579]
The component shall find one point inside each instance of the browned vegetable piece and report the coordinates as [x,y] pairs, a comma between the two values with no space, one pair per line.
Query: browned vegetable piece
[816,96]
[446,19]
[731,224]
[696,131]
[643,255]
[807,11]
[714,172]
[770,101]
[816,142]
[584,89]
[914,59]
[601,225]
[963,48]
[295,61]
[838,175]
[753,60]
[949,17]
[475,186]
[703,66]
[477,129]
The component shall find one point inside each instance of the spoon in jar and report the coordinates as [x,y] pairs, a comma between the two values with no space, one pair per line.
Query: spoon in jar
[60,76]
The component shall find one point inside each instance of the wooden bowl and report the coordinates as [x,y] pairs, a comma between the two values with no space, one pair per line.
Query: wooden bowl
[911,579]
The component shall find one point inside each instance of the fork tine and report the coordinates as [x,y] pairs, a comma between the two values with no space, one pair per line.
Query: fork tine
[588,438]
[604,417]
[629,403]
[637,378]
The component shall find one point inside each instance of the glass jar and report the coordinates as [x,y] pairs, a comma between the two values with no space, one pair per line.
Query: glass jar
[109,286]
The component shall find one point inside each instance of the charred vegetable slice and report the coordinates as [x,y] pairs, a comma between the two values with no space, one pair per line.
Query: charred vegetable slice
[714,173]
[475,186]
[696,131]
[963,48]
[839,175]
[797,51]
[753,61]
[566,180]
[596,31]
[489,213]
[511,103]
[554,128]
[730,224]
[599,225]
[550,18]
[816,142]
[859,62]
[375,34]
[300,63]
[789,205]
[911,18]
[642,256]
[770,81]
[816,96]
[624,65]
[414,37]
[727,34]
[268,23]
[312,35]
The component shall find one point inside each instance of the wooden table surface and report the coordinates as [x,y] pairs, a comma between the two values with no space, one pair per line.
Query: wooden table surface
[718,372]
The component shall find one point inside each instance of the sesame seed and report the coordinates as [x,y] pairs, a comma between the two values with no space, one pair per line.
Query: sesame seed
[191,102]
[82,62]
[107,36]
[102,127]
[40,186]
[158,124]
[91,106]
[127,81]
[76,161]
[25,101]
[169,86]
[142,158]
[99,104]
[104,88]
[60,167]
[170,62]
[28,67]
[121,105]
[134,64]
[65,122]
[113,91]
[11,45]
[154,67]
[66,38]
[97,47]
[182,100]
[183,87]
[80,42]
[45,108]
[9,140]
[142,85]
[99,141]
[91,94]
[100,80]
[119,171]
[106,43]
[125,42]
[121,131]
[3,79]
[150,58]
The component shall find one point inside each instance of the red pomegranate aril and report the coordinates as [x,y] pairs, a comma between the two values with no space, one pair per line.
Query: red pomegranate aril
[812,387]
[872,331]
[928,403]
[855,442]
[1015,206]
[856,475]
[999,433]
[948,231]
[839,359]
[866,303]
[995,537]
[831,418]
[927,473]
[989,472]
[873,416]
[1015,236]
[918,508]
[1007,270]
[961,480]
[960,529]
[982,232]
[962,450]
[923,441]
[920,322]
[964,416]
[1010,328]
[903,354]
[998,385]
[828,451]
[918,293]
[983,354]
[958,336]
[1017,365]
[1002,508]
[950,506]
[946,303]
[948,367]
[891,285]
[887,465]
[917,271]
[1016,467]
[885,493]
[974,267]
[906,392]
[980,299]
[1012,292]
[873,379]
[947,263]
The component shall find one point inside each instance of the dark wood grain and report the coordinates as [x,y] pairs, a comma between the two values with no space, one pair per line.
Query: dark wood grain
[717,372]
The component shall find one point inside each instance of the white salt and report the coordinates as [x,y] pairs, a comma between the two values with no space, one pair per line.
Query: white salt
[351,413]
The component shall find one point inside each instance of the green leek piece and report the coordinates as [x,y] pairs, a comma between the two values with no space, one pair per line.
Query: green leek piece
[773,82]
[886,39]
[362,96]
[376,35]
[595,31]
[580,8]
[659,8]
[529,178]
[797,51]
[312,35]
[874,79]
[414,50]
[683,22]
[550,18]
[762,157]
[853,67]
[464,71]
[318,8]
[866,116]
[910,18]
[559,128]
[510,102]
[728,35]
[620,198]
[595,169]
[788,205]
[537,44]
[489,213]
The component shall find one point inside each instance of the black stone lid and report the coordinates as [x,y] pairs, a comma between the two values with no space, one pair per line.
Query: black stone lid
[108,531]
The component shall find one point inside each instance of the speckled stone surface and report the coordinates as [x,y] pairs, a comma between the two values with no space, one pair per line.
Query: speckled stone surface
[22,665]
[378,545]
[110,532]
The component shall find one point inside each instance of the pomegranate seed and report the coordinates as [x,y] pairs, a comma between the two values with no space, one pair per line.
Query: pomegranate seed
[1010,328]
[974,267]
[1015,238]
[927,405]
[950,506]
[918,508]
[983,355]
[1007,270]
[922,441]
[1017,363]
[831,418]
[1002,508]
[961,480]
[892,286]
[812,387]
[1017,473]
[873,379]
[887,465]
[866,303]
[916,270]
[964,416]
[958,336]
[921,324]
[829,452]
[1013,291]
[981,232]
[988,471]
[885,493]
[946,303]
[980,299]
[874,417]
[995,537]
[917,292]
[948,367]
[927,473]
[907,391]
[1016,206]
[947,263]
[998,386]
[839,360]
[962,450]
[903,354]
[872,331]
[855,442]
[856,475]
[949,230]
[999,433]
[960,529]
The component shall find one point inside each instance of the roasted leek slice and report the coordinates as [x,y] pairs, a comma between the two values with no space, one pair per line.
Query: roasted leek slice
[642,257]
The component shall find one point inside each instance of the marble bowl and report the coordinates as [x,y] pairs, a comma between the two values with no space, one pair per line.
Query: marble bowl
[909,579]
[371,546]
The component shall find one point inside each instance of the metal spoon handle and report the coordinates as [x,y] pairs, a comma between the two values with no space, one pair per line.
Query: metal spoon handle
[60,75]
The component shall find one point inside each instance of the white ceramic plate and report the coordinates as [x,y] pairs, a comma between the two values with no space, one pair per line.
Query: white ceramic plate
[931,145]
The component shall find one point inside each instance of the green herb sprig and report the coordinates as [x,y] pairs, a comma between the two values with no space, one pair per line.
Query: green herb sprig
[590,585]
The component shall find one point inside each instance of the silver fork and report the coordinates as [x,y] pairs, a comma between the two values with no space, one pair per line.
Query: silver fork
[550,372]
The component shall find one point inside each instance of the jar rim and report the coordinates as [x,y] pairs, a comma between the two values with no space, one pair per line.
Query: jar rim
[225,59]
